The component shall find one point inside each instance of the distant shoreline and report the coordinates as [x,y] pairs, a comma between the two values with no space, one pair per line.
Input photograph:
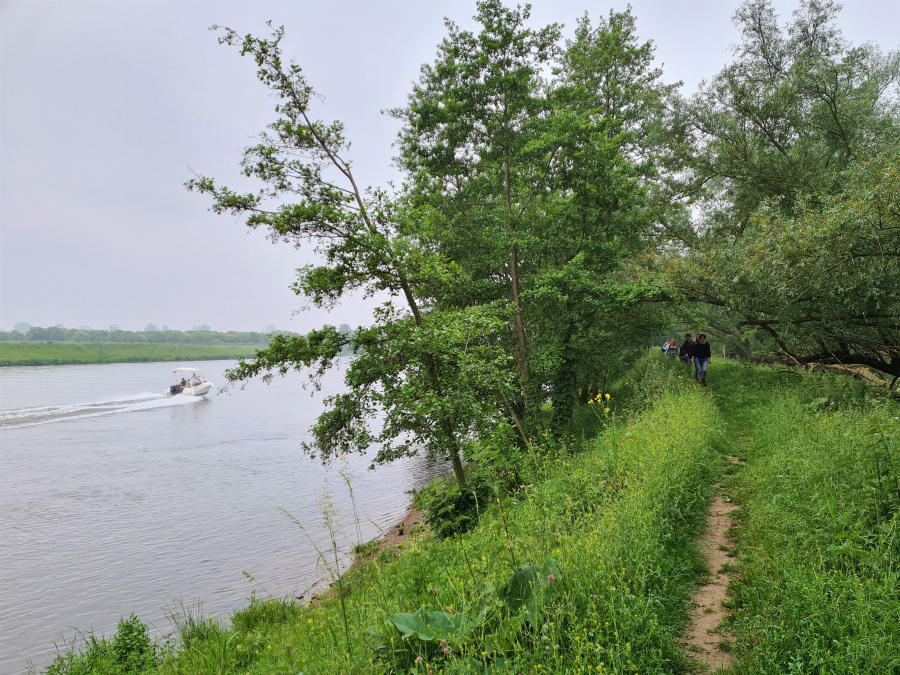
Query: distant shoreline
[66,353]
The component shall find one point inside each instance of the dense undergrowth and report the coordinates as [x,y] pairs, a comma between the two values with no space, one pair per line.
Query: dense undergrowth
[580,556]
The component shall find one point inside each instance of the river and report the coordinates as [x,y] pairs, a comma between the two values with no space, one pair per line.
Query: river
[115,499]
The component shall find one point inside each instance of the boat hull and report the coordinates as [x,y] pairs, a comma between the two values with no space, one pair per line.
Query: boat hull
[201,389]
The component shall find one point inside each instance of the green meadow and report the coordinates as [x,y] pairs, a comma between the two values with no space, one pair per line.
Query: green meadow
[59,353]
[584,560]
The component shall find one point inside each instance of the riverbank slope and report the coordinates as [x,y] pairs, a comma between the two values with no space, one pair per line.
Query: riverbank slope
[589,566]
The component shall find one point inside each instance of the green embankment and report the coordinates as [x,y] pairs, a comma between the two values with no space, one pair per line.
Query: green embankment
[589,568]
[59,353]
[818,546]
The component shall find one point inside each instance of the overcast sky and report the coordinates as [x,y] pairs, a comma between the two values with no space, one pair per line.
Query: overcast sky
[108,106]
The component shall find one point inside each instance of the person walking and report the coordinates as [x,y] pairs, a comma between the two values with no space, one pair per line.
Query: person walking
[686,351]
[701,355]
[670,348]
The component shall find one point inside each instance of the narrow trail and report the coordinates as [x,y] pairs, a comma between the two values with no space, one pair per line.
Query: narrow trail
[703,639]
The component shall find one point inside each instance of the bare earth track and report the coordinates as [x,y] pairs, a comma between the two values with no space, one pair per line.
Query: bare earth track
[702,638]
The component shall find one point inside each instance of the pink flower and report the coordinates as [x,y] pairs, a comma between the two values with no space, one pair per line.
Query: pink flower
[443,643]
[547,648]
[595,596]
[419,659]
[446,650]
[550,578]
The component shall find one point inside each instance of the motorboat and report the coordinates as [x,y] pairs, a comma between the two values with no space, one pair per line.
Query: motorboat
[189,382]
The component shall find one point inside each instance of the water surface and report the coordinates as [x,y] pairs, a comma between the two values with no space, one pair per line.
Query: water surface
[115,499]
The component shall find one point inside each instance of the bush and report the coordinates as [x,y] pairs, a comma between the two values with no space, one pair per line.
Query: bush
[131,646]
[451,509]
[128,652]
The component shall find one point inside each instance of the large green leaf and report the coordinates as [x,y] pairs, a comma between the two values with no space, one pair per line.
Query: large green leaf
[428,626]
[518,592]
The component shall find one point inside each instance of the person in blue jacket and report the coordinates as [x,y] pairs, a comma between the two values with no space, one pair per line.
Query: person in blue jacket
[701,357]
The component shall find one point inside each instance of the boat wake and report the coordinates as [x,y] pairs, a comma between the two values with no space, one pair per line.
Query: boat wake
[27,417]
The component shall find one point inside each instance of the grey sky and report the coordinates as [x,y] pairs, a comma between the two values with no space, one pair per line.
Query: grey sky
[106,107]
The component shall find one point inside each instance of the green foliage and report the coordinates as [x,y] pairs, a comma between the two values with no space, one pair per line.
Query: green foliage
[427,369]
[131,646]
[795,156]
[554,610]
[265,613]
[534,190]
[194,337]
[427,626]
[648,379]
[451,508]
[128,652]
[589,564]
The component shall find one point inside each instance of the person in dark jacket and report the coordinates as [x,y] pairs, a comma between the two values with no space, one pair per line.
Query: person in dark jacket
[701,356]
[686,351]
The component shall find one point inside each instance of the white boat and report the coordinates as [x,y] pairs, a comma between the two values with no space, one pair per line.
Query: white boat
[189,382]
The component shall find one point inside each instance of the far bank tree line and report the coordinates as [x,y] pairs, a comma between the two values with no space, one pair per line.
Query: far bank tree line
[562,203]
[173,337]
[198,337]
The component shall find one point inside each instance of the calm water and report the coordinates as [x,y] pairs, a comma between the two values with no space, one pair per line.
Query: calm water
[115,499]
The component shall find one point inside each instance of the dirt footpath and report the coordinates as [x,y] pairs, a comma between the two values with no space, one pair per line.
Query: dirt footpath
[701,638]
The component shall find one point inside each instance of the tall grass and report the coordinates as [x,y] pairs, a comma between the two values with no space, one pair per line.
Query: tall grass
[589,566]
[818,536]
[588,570]
[61,353]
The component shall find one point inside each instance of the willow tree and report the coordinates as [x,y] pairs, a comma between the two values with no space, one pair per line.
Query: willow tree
[420,372]
[794,163]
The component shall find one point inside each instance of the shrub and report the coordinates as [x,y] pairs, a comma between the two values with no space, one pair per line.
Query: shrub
[451,509]
[131,646]
[129,651]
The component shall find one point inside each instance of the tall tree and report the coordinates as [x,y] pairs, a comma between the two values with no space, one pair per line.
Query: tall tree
[425,371]
[534,186]
[791,112]
[468,145]
[608,103]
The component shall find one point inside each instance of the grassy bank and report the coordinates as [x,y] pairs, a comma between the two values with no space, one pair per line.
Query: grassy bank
[588,569]
[818,545]
[59,353]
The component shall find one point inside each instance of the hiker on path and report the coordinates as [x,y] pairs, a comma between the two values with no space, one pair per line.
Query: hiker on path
[687,351]
[670,348]
[701,356]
